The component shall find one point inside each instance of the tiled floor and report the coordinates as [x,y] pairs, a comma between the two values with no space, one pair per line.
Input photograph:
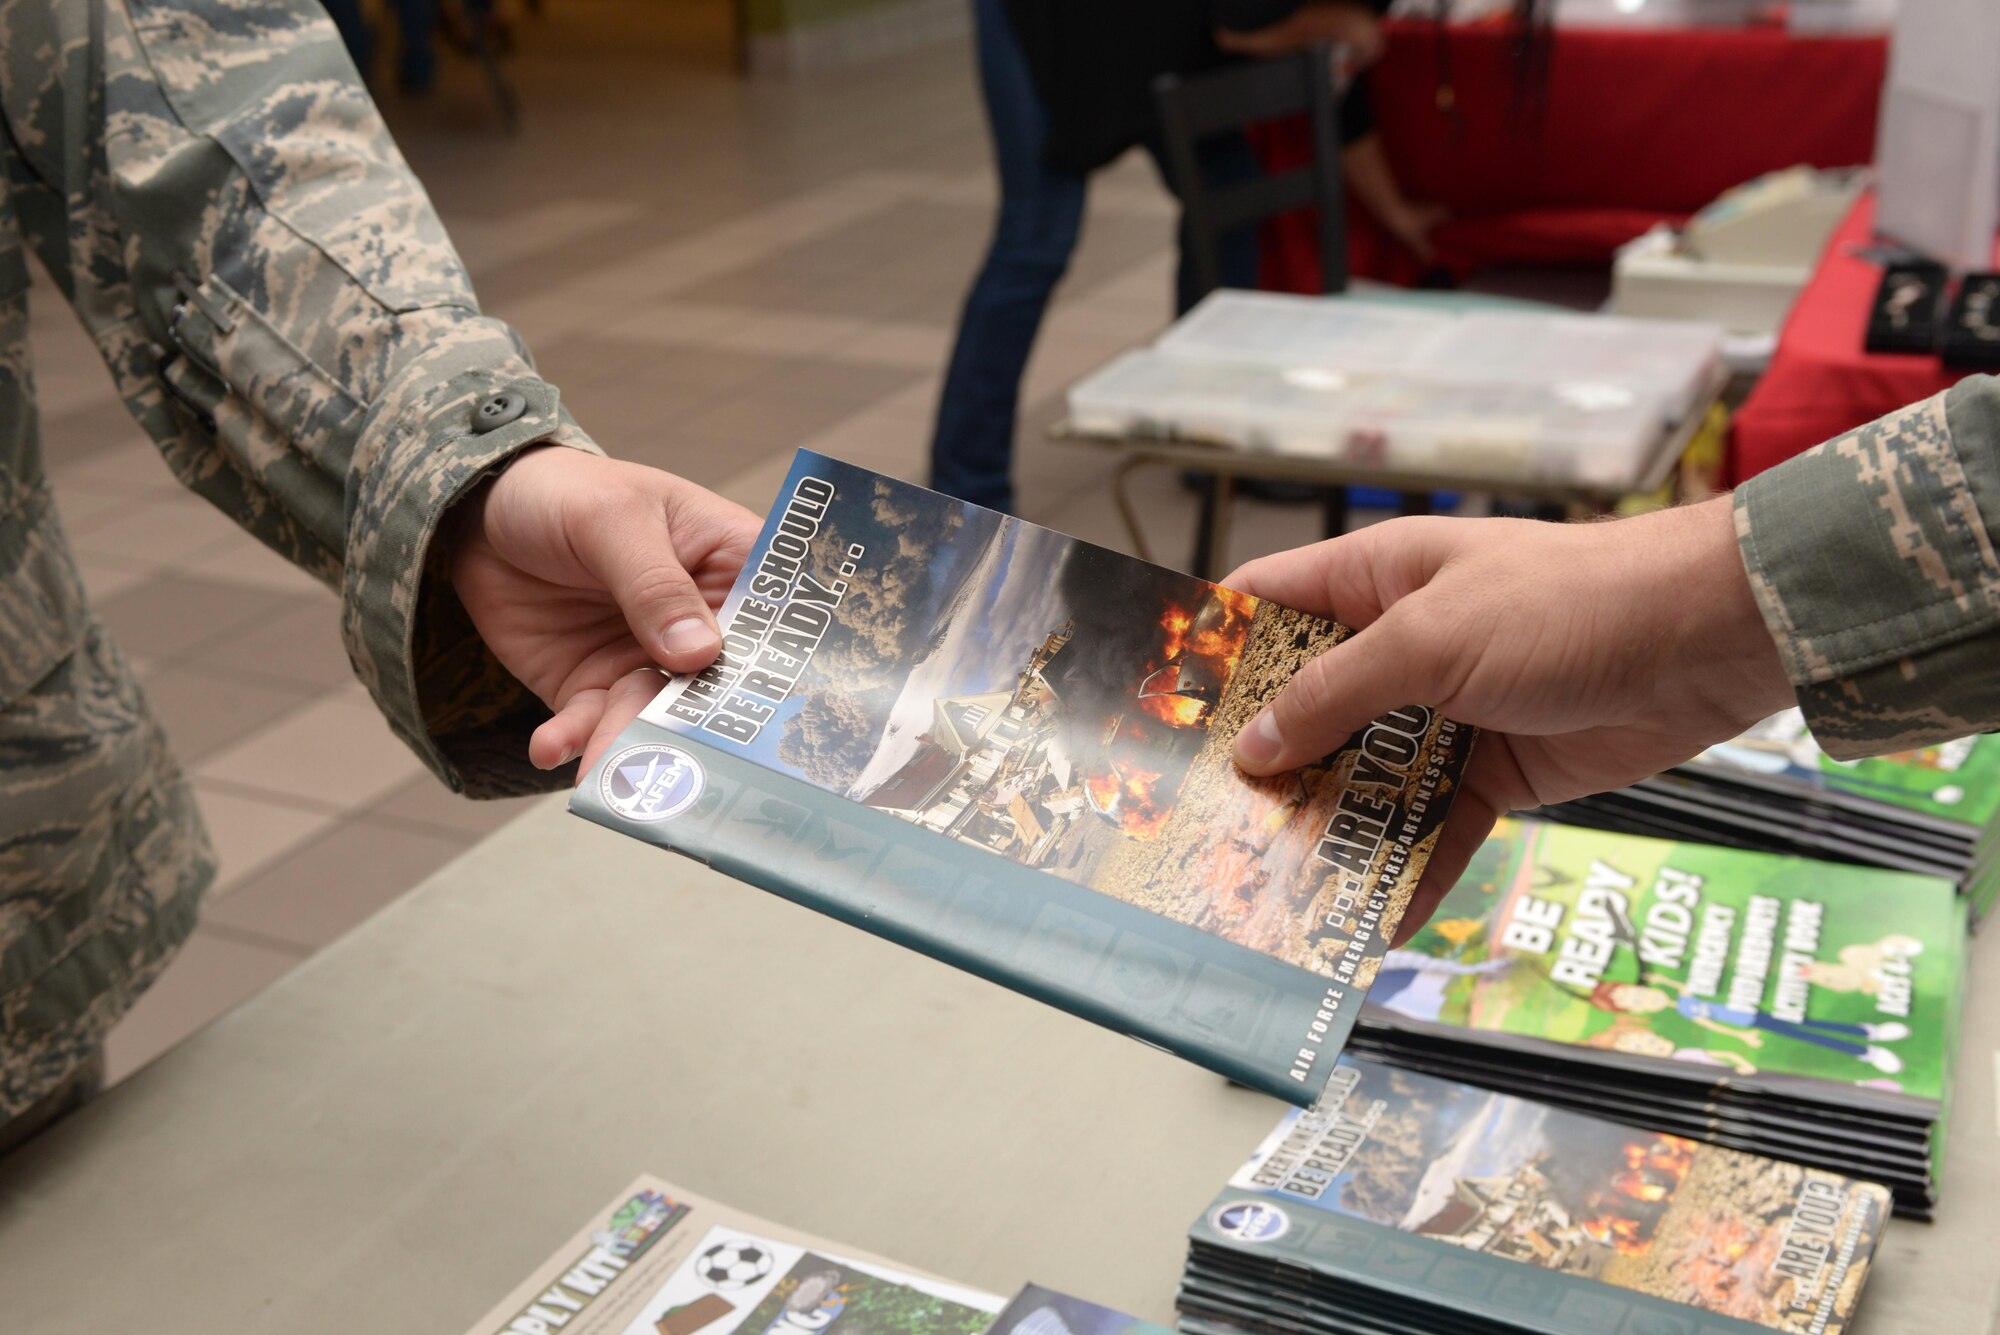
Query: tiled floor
[714,273]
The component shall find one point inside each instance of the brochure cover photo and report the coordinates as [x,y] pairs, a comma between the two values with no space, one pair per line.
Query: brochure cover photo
[1012,697]
[1712,963]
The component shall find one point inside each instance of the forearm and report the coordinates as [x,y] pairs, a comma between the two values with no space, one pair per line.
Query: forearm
[1334,21]
[1872,558]
[297,334]
[1364,168]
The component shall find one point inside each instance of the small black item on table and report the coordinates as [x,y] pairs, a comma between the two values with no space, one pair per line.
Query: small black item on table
[1904,317]
[1972,334]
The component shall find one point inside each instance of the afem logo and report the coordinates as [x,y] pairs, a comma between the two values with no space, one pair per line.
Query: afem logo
[649,783]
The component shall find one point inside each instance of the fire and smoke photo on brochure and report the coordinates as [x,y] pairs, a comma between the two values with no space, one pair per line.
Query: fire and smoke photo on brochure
[1066,707]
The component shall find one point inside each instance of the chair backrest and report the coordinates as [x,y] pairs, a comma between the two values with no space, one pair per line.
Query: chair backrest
[1201,107]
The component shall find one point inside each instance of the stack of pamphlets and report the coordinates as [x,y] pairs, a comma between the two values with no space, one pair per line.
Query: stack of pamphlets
[660,1260]
[1804,1010]
[1012,751]
[1414,1204]
[1934,810]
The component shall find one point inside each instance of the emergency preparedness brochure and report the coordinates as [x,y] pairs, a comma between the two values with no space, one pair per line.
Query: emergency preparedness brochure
[1011,750]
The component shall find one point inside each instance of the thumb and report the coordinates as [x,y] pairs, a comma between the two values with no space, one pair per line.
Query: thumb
[636,561]
[1329,699]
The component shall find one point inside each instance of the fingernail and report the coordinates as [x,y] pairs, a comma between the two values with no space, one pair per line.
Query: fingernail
[689,635]
[1258,744]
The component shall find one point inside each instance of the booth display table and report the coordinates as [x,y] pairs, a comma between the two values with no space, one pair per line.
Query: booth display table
[1821,381]
[1638,126]
[1230,465]
[393,1136]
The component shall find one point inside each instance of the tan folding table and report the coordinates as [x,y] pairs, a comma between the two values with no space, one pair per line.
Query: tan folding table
[1231,463]
[395,1134]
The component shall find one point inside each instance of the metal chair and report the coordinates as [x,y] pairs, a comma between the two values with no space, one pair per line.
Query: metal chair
[1194,109]
[1228,101]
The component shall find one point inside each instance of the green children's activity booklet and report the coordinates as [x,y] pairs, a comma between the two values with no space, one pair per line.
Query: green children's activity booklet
[1708,964]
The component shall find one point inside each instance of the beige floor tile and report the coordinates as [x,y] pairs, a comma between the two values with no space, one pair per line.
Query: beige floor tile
[833,380]
[337,755]
[173,527]
[81,504]
[298,645]
[69,375]
[205,709]
[757,485]
[676,323]
[760,422]
[105,577]
[329,885]
[921,347]
[789,333]
[250,833]
[171,614]
[100,423]
[213,973]
[251,562]
[892,441]
[135,467]
[428,804]
[1083,320]
[535,228]
[641,370]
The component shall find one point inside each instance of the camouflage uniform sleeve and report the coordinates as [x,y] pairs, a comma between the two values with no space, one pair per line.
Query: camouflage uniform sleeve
[286,317]
[1873,559]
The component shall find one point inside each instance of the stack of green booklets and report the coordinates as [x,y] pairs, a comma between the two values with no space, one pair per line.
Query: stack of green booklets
[1406,1203]
[1934,810]
[1804,1010]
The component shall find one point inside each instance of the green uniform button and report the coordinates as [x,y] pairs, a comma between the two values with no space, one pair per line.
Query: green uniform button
[498,411]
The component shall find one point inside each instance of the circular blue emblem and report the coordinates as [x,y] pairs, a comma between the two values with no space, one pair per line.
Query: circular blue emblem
[649,783]
[1250,1221]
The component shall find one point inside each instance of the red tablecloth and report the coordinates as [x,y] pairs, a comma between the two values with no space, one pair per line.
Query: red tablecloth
[1639,126]
[1821,382]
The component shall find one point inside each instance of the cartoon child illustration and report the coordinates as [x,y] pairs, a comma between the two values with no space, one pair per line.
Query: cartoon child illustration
[1749,1027]
[1640,1041]
[1860,965]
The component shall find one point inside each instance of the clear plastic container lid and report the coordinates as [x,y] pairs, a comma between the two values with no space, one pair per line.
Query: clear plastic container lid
[1306,331]
[1676,360]
[1574,433]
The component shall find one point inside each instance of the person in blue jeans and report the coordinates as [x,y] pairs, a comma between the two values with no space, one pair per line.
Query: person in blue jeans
[1068,87]
[416,61]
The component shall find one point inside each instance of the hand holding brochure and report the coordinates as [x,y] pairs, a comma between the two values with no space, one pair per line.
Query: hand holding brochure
[1011,750]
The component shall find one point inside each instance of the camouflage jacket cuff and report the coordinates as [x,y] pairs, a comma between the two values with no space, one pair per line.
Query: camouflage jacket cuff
[1872,559]
[410,639]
